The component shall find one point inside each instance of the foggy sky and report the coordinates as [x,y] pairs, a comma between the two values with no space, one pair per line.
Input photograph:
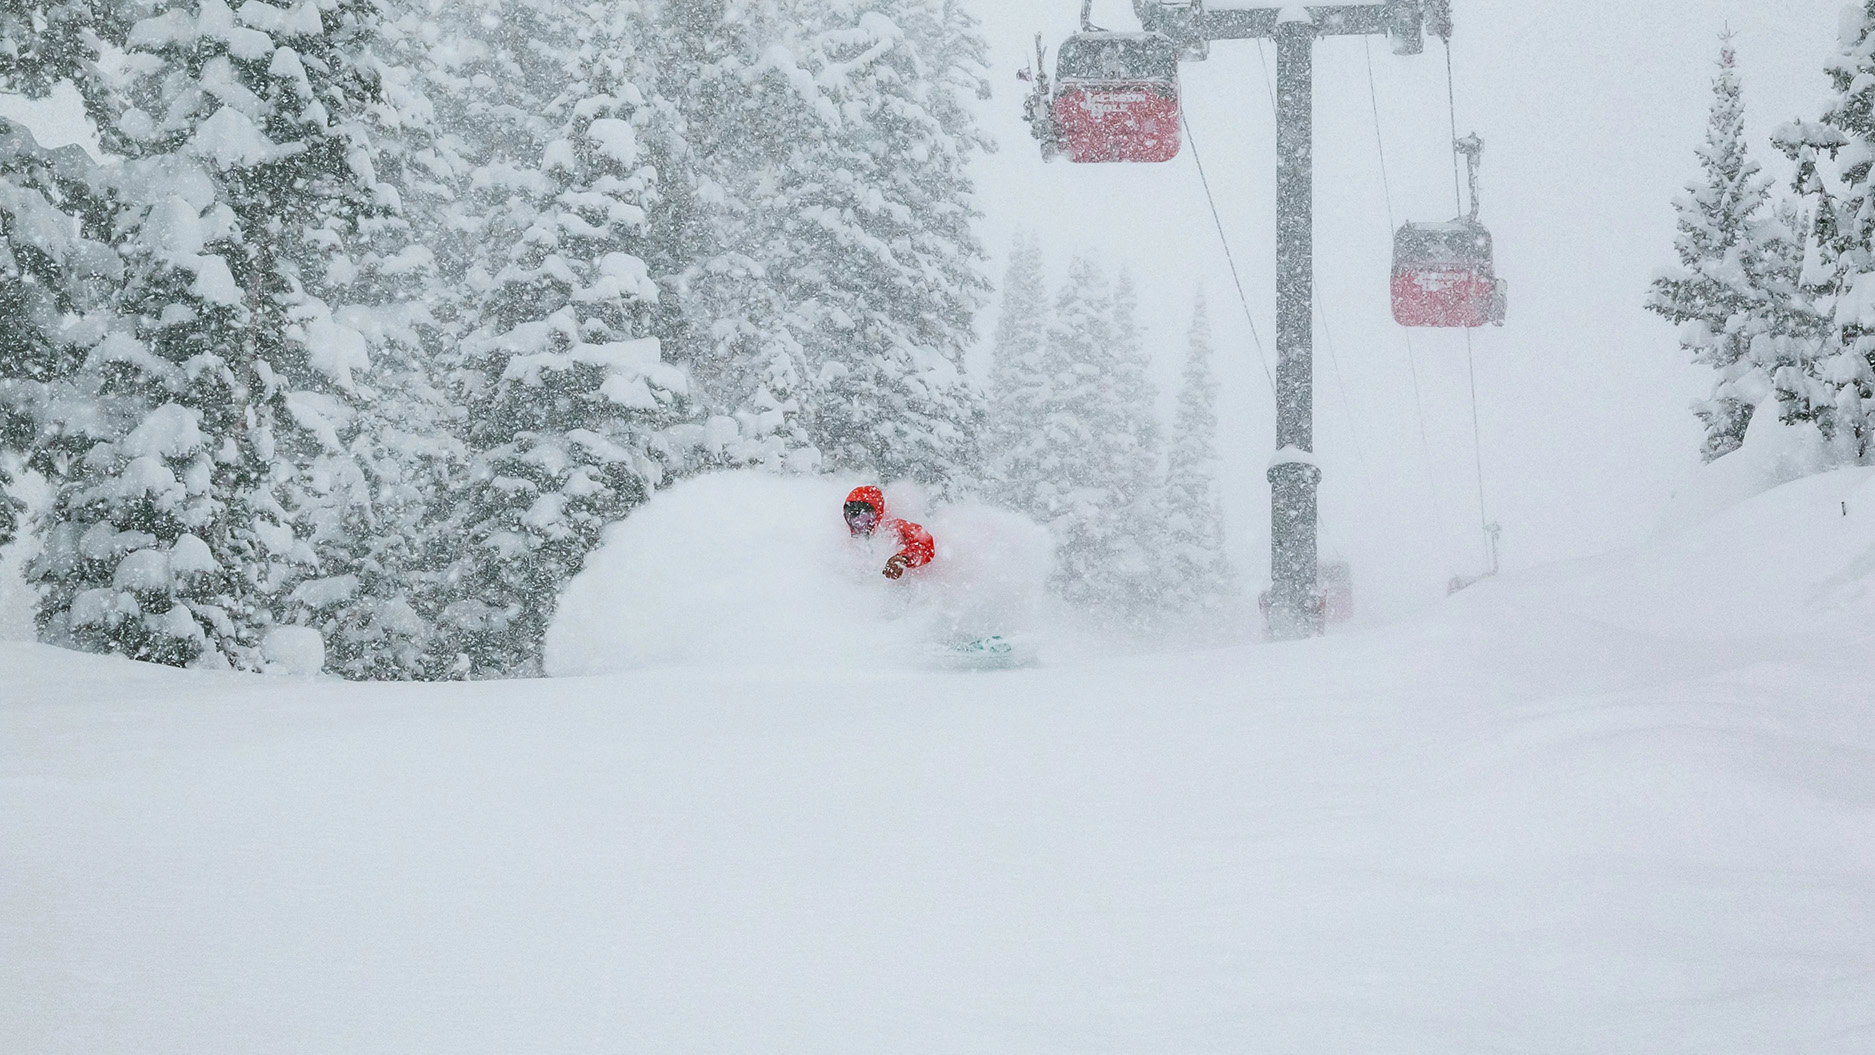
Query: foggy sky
[1590,111]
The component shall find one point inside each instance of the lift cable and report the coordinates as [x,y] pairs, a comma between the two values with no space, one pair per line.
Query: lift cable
[1451,108]
[1484,517]
[1242,298]
[1269,87]
[1380,145]
[1471,369]
[1412,359]
[1354,430]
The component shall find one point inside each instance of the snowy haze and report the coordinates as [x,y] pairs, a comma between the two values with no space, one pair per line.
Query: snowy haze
[1590,111]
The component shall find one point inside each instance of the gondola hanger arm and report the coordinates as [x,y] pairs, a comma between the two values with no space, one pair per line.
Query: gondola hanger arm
[1473,148]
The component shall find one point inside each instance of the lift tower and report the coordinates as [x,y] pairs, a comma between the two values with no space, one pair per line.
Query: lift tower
[1295,604]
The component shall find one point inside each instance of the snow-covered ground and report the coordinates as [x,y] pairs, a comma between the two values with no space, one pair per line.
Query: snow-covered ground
[1622,805]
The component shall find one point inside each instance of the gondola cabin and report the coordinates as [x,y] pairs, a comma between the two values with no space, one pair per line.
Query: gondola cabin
[1116,97]
[1443,275]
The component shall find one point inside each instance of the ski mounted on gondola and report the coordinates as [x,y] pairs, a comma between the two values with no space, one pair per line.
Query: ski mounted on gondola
[1114,98]
[1115,95]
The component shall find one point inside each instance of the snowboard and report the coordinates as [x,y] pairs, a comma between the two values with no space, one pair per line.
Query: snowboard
[994,652]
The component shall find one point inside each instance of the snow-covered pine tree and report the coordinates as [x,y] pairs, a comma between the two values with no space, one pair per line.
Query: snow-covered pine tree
[1830,379]
[1066,462]
[1734,292]
[723,316]
[1138,522]
[45,42]
[460,70]
[476,78]
[407,457]
[56,278]
[1198,572]
[1014,409]
[1070,461]
[246,186]
[10,507]
[1059,458]
[575,417]
[872,237]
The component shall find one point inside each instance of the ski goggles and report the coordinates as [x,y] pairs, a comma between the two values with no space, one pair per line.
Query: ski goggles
[855,510]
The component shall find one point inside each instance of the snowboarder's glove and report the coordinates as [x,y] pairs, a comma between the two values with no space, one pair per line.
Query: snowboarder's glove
[895,567]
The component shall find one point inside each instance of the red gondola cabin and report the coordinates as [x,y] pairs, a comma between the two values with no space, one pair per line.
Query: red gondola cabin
[1443,276]
[1116,97]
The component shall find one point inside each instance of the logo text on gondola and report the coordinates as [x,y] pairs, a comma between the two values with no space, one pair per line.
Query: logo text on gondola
[1106,104]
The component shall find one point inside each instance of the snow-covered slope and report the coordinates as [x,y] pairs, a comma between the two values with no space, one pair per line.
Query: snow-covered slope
[1624,805]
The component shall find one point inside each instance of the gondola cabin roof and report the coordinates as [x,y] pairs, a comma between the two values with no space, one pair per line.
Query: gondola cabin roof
[1452,243]
[1117,57]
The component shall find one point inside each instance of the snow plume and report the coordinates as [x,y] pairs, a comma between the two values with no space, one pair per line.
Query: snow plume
[745,568]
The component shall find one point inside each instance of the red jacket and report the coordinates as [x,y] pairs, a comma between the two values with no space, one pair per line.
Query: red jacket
[915,543]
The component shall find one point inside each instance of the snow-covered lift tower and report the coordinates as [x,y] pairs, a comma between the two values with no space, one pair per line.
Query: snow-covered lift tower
[1295,601]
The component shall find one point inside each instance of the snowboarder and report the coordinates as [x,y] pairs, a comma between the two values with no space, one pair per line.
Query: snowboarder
[865,515]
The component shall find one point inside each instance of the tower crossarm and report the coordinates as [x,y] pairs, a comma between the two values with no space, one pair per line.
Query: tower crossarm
[1402,20]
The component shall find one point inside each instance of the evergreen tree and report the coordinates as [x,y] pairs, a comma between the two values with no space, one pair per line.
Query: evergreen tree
[1076,432]
[723,315]
[1735,293]
[1138,522]
[247,185]
[45,42]
[56,278]
[1070,476]
[575,417]
[461,72]
[10,507]
[1021,335]
[1199,576]
[1830,379]
[404,456]
[870,232]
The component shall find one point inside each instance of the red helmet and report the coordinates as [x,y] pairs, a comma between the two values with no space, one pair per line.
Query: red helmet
[865,508]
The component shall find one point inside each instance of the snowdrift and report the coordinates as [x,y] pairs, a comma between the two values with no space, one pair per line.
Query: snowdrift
[747,568]
[1796,560]
[1772,454]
